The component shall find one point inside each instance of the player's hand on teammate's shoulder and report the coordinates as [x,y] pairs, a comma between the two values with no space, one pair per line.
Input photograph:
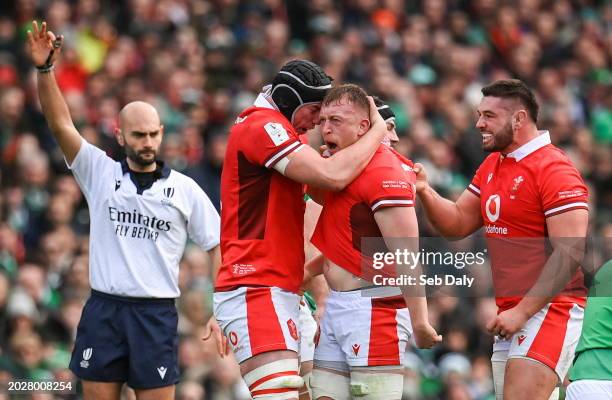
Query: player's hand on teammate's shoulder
[421,177]
[425,336]
[43,46]
[214,333]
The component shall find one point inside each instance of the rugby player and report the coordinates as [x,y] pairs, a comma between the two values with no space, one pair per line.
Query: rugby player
[525,191]
[363,335]
[262,221]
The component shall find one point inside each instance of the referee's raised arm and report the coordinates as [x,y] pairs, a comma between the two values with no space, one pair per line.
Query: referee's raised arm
[44,48]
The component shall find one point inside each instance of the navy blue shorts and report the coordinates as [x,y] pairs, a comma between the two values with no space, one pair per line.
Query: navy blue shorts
[122,339]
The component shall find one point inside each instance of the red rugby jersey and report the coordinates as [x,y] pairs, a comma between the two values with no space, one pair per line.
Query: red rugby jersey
[262,212]
[348,215]
[517,193]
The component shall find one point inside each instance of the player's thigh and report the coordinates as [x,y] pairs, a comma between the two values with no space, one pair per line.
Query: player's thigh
[273,372]
[306,374]
[498,369]
[327,349]
[258,321]
[163,393]
[528,379]
[306,367]
[377,383]
[499,361]
[550,336]
[588,389]
[330,375]
[374,332]
[101,390]
[330,381]
[545,346]
[266,358]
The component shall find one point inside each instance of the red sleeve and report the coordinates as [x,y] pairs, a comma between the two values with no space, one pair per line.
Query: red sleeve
[269,142]
[386,186]
[562,188]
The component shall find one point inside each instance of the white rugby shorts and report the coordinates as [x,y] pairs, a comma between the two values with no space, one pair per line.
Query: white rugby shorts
[363,331]
[550,336]
[258,319]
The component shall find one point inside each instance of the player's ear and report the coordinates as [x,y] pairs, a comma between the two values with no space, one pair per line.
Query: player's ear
[519,119]
[364,126]
[119,137]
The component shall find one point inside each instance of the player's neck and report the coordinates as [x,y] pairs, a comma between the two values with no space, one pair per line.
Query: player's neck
[520,138]
[134,167]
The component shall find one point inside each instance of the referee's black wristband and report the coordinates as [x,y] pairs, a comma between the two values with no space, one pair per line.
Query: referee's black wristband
[43,69]
[48,65]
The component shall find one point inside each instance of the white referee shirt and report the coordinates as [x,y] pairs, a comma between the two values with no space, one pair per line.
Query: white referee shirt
[136,240]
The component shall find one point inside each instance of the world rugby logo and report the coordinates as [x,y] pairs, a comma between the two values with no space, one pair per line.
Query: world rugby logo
[169,192]
[493,207]
[86,356]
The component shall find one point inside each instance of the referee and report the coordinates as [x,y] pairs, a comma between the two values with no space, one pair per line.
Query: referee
[141,216]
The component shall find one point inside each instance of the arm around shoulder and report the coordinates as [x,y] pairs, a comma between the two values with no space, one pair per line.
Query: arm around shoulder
[336,172]
[308,167]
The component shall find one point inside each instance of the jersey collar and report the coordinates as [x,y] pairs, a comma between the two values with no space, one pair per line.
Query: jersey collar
[161,171]
[264,100]
[534,144]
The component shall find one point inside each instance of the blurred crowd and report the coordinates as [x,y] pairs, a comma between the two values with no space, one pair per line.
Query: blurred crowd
[199,62]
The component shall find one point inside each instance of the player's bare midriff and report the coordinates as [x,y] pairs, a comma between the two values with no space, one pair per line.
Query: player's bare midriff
[341,280]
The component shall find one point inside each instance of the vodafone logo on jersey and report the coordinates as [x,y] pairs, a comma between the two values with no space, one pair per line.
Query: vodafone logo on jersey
[493,207]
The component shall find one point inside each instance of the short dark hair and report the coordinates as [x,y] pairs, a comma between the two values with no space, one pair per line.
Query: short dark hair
[514,89]
[352,93]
